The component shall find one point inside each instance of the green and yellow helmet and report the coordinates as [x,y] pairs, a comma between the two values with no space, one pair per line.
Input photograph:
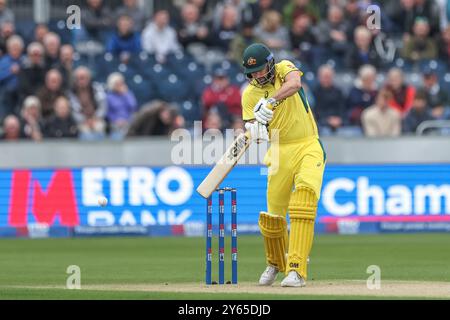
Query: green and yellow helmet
[255,58]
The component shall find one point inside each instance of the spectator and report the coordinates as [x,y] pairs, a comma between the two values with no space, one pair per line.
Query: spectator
[258,8]
[402,93]
[121,104]
[332,34]
[302,38]
[226,30]
[6,14]
[402,15]
[222,96]
[437,98]
[420,46]
[298,8]
[52,46]
[88,100]
[272,33]
[362,51]
[10,66]
[159,37]
[132,9]
[192,30]
[242,7]
[242,40]
[157,118]
[418,113]
[428,9]
[125,41]
[363,94]
[96,21]
[7,30]
[65,65]
[380,120]
[40,31]
[444,45]
[52,90]
[329,107]
[32,75]
[11,128]
[213,121]
[32,124]
[61,124]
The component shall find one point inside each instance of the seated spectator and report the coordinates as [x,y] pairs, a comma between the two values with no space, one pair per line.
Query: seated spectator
[97,21]
[297,8]
[125,41]
[444,45]
[11,128]
[226,30]
[40,31]
[402,15]
[7,30]
[52,90]
[238,125]
[273,34]
[132,9]
[192,30]
[61,123]
[418,113]
[362,51]
[10,66]
[121,104]
[32,124]
[437,98]
[159,37]
[329,107]
[242,40]
[213,121]
[332,34]
[32,75]
[222,96]
[302,39]
[363,94]
[242,8]
[65,65]
[6,14]
[402,93]
[157,118]
[258,8]
[430,11]
[420,45]
[52,45]
[88,100]
[380,120]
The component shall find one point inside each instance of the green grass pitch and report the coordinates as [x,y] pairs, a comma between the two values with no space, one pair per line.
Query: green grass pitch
[36,269]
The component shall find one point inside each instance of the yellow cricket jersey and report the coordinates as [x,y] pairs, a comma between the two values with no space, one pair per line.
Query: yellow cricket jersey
[292,116]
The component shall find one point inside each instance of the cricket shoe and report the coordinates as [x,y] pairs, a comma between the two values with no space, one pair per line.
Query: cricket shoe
[293,279]
[268,276]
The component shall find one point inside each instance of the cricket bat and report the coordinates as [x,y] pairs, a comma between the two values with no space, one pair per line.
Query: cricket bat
[226,163]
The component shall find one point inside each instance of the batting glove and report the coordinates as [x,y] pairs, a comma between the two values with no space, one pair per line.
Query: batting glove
[262,112]
[258,131]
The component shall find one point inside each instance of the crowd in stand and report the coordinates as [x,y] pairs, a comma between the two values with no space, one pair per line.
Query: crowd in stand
[45,94]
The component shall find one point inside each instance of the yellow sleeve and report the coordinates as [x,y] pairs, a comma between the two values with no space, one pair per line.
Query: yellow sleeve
[248,104]
[286,66]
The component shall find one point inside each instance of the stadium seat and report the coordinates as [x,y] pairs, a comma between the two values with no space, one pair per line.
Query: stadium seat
[143,89]
[105,64]
[173,88]
[191,111]
[59,27]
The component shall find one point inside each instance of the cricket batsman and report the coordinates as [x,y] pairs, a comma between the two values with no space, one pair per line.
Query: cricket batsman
[275,102]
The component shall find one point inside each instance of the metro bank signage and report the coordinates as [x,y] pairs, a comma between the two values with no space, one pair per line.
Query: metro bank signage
[166,195]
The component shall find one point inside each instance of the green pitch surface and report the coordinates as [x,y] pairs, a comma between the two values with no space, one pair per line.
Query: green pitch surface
[412,266]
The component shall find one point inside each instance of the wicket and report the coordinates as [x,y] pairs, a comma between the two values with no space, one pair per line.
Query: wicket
[209,234]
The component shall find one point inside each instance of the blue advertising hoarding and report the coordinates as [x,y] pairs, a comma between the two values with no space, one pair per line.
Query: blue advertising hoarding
[165,196]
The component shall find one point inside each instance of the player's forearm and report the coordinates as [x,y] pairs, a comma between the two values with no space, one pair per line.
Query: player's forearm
[287,89]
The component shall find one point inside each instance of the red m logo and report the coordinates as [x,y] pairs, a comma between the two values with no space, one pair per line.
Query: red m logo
[58,200]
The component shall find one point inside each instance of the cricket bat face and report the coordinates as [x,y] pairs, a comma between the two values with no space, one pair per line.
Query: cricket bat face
[226,163]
